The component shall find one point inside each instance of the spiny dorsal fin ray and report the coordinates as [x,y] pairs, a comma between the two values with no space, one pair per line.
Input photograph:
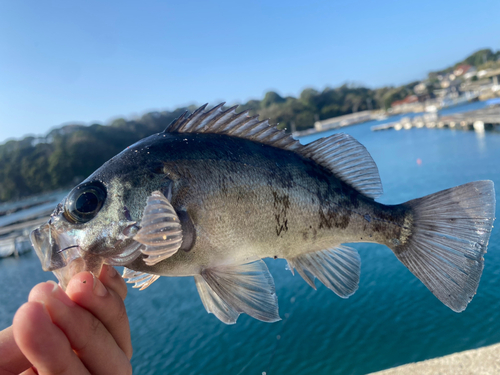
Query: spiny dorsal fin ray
[220,121]
[340,153]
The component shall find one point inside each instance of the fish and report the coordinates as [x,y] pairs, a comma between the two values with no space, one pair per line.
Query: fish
[219,191]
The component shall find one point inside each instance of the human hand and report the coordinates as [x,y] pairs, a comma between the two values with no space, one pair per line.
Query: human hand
[82,331]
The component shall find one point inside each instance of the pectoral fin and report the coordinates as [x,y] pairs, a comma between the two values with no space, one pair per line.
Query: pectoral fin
[338,269]
[161,230]
[228,291]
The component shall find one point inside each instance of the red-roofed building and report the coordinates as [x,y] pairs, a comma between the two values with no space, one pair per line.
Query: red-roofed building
[408,100]
[408,104]
[461,70]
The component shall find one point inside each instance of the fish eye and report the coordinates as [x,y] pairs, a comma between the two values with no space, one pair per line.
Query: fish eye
[84,202]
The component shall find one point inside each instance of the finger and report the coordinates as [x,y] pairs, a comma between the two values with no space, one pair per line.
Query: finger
[88,337]
[29,371]
[12,360]
[106,305]
[44,344]
[113,280]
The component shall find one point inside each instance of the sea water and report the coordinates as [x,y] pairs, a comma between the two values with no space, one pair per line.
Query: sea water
[391,320]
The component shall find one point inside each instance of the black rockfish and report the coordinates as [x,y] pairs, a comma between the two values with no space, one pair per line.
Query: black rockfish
[217,192]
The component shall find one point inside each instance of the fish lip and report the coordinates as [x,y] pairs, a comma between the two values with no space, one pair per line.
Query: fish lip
[55,250]
[40,239]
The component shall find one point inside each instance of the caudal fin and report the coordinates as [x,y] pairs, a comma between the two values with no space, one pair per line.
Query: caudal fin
[445,238]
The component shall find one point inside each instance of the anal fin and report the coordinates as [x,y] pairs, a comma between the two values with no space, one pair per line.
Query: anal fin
[227,291]
[338,269]
[141,279]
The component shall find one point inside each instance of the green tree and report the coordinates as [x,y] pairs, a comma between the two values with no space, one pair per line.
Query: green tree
[271,98]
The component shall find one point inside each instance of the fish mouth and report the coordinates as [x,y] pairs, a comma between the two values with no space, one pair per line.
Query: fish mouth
[58,253]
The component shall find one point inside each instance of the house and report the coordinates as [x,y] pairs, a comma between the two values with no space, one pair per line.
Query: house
[420,89]
[408,104]
[461,70]
[408,100]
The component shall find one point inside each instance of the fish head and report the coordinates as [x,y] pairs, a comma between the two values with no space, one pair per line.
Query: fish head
[91,226]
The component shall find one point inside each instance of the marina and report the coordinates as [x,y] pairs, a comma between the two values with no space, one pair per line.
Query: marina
[15,245]
[480,120]
[18,219]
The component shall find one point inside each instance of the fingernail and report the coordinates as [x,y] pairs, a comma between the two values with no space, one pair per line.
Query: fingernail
[59,294]
[99,289]
[44,308]
[111,271]
[54,285]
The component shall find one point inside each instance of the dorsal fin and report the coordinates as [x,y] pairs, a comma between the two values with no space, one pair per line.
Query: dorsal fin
[345,157]
[348,160]
[235,124]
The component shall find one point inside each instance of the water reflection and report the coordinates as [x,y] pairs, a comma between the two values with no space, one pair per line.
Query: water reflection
[481,141]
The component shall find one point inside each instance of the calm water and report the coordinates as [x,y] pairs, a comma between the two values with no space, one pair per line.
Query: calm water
[391,320]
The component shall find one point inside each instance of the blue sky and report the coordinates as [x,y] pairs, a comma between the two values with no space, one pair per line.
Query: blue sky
[91,61]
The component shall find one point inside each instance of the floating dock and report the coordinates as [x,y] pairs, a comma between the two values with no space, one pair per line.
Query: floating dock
[485,119]
[14,245]
[18,219]
[341,122]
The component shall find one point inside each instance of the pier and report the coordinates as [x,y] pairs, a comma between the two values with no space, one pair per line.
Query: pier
[485,119]
[484,361]
[341,122]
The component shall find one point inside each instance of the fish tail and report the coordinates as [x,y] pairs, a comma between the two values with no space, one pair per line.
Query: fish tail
[444,238]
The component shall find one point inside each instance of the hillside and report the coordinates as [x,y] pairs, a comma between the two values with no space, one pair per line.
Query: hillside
[482,59]
[68,154]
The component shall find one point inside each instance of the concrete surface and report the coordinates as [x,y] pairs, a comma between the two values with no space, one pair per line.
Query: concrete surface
[482,361]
